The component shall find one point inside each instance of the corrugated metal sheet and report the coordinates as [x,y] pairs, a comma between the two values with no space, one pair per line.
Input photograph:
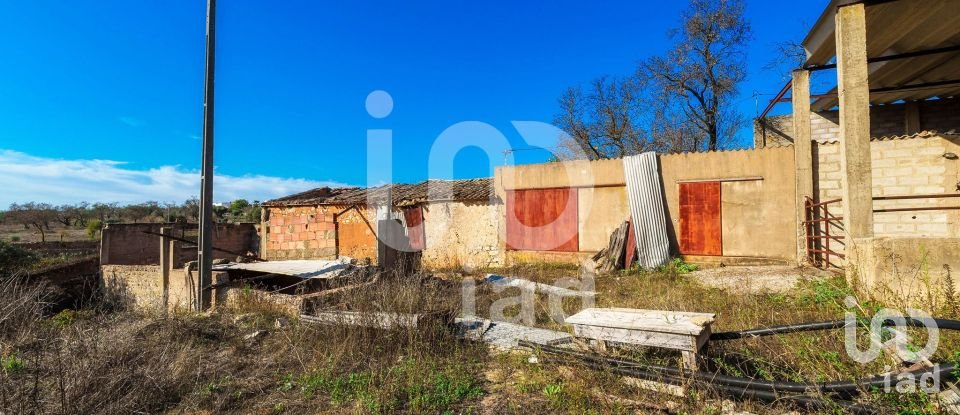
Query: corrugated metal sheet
[303,268]
[645,196]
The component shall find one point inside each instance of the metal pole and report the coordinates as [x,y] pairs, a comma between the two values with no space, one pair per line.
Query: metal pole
[205,249]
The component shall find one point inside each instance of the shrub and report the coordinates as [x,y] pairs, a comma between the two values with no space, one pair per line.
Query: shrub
[93,228]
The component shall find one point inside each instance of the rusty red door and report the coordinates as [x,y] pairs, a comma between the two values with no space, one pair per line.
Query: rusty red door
[700,232]
[542,220]
[414,218]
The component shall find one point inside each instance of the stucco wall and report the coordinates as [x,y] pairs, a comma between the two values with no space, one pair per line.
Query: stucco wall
[601,207]
[758,217]
[601,211]
[461,234]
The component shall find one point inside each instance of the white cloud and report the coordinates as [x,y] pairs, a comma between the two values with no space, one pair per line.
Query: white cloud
[25,178]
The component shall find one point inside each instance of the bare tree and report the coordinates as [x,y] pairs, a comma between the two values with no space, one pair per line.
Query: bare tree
[36,215]
[606,121]
[704,68]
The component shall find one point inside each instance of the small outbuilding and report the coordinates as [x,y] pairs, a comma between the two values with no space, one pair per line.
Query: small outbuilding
[451,222]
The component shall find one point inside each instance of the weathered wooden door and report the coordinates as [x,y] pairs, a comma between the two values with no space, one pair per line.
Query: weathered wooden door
[700,219]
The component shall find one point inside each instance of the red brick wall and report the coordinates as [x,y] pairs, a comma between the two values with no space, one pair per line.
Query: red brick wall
[301,232]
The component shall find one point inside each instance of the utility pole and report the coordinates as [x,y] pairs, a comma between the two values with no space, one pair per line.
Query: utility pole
[205,249]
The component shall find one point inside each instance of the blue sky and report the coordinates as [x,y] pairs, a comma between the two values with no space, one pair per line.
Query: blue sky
[102,100]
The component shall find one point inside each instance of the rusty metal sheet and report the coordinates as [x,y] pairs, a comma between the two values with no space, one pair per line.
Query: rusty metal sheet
[542,220]
[413,217]
[700,232]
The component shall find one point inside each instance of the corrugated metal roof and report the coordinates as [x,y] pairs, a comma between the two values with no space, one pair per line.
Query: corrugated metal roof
[895,28]
[401,194]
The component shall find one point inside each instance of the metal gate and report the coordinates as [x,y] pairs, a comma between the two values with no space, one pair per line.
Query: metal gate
[824,232]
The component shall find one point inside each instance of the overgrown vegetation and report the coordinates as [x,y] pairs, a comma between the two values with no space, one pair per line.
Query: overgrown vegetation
[107,359]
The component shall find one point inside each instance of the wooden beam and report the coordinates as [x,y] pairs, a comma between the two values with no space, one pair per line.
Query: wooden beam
[854,95]
[803,155]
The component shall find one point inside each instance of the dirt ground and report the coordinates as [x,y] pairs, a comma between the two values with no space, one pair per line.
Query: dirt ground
[768,279]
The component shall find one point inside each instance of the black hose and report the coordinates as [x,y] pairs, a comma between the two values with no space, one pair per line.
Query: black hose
[827,325]
[943,371]
[740,392]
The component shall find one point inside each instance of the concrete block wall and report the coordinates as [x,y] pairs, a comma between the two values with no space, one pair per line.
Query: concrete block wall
[885,121]
[300,232]
[913,166]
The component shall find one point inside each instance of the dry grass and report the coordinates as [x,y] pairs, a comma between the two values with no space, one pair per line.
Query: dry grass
[810,356]
[109,360]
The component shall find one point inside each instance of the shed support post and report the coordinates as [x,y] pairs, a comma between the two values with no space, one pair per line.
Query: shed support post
[803,155]
[854,94]
[166,253]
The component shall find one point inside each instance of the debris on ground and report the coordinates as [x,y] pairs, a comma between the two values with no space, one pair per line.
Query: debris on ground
[535,286]
[505,336]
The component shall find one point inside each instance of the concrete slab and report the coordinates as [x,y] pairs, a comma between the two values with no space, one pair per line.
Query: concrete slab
[504,335]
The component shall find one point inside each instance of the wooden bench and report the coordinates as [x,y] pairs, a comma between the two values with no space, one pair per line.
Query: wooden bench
[677,330]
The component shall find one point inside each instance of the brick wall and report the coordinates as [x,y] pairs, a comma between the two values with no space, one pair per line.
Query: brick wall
[885,120]
[300,232]
[137,244]
[900,167]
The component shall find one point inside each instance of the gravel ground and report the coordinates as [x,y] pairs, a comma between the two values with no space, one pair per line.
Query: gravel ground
[756,279]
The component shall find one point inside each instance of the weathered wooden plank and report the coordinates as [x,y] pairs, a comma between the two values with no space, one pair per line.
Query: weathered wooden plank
[370,319]
[638,337]
[677,322]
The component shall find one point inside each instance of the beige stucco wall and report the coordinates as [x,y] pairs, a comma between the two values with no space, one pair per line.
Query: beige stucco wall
[600,211]
[758,217]
[601,194]
[462,234]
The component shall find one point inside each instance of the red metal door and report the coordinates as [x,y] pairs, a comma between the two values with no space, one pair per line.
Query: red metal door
[542,220]
[700,232]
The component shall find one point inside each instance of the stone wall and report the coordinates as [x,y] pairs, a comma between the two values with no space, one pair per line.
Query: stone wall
[885,121]
[461,234]
[143,285]
[910,166]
